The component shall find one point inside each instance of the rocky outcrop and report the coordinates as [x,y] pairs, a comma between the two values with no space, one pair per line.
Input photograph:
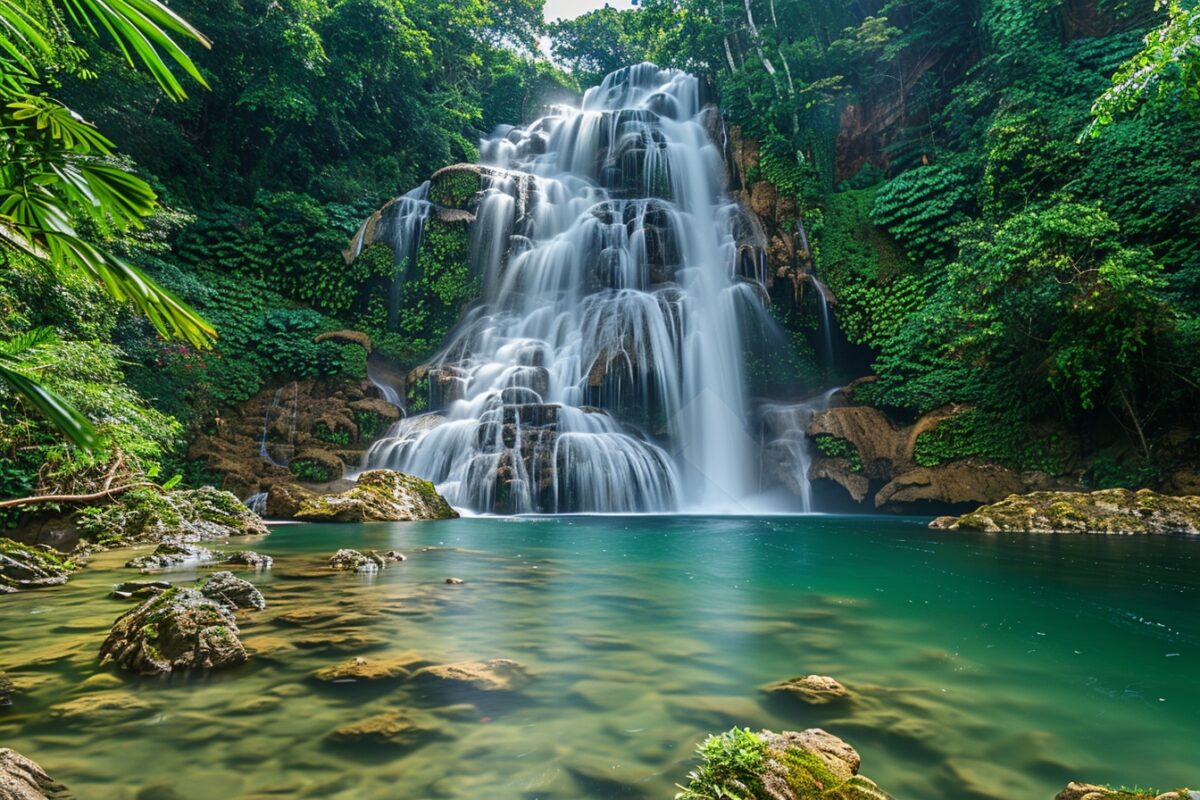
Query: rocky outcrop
[1119,511]
[803,765]
[31,566]
[232,592]
[813,690]
[22,779]
[189,515]
[380,496]
[1090,791]
[285,499]
[305,431]
[179,629]
[872,458]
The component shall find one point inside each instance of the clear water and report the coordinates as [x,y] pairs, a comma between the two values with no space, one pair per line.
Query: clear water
[1006,665]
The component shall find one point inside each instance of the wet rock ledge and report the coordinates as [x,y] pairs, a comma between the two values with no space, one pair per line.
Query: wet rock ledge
[1115,511]
[380,495]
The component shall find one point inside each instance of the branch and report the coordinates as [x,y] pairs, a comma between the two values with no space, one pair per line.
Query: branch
[77,498]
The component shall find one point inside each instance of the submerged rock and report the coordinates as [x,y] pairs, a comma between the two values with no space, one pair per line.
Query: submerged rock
[191,515]
[23,779]
[101,707]
[31,566]
[814,690]
[805,765]
[1090,791]
[380,496]
[6,691]
[178,629]
[1120,511]
[233,592]
[249,558]
[497,675]
[171,554]
[370,669]
[403,729]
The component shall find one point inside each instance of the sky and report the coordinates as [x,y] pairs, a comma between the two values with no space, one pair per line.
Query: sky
[559,9]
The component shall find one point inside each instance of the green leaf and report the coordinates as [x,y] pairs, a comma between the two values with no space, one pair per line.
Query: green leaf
[59,412]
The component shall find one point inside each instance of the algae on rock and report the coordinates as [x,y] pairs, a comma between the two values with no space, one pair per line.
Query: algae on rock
[379,496]
[1118,511]
[191,515]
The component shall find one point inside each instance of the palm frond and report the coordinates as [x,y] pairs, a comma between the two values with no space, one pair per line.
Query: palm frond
[21,36]
[61,414]
[142,29]
[27,340]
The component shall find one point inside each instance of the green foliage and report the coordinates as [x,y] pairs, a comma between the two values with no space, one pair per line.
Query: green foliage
[920,208]
[434,292]
[835,447]
[994,437]
[731,767]
[311,471]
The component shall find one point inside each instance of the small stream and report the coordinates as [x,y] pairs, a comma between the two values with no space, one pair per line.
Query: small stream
[981,666]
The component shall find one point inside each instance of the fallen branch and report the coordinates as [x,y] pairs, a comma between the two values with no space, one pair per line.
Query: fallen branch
[78,498]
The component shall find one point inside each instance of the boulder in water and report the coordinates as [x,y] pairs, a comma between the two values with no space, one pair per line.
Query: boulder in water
[352,559]
[233,592]
[814,690]
[31,566]
[402,729]
[23,779]
[178,629]
[138,590]
[370,669]
[1118,511]
[791,765]
[248,558]
[1090,791]
[380,496]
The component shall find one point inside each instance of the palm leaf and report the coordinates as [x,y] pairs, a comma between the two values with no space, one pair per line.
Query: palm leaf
[170,316]
[27,340]
[21,35]
[61,414]
[142,30]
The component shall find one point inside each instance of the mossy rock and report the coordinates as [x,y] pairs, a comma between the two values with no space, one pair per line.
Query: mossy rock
[379,496]
[25,566]
[805,765]
[455,186]
[315,465]
[1116,511]
[190,515]
[179,629]
[1090,791]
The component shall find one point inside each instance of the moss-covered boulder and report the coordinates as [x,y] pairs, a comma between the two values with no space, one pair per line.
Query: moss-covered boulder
[232,591]
[380,496]
[179,629]
[25,566]
[314,464]
[497,675]
[1120,511]
[813,690]
[805,765]
[22,779]
[285,499]
[191,515]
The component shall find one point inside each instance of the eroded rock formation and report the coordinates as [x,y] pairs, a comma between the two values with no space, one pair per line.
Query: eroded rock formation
[1119,511]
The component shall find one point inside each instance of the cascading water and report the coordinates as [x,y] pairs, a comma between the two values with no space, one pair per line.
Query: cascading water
[602,368]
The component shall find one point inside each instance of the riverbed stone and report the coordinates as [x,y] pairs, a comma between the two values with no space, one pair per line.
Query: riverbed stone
[815,690]
[1113,511]
[1091,791]
[361,668]
[496,675]
[171,554]
[31,566]
[177,630]
[103,706]
[399,728]
[138,590]
[233,592]
[380,496]
[6,690]
[22,779]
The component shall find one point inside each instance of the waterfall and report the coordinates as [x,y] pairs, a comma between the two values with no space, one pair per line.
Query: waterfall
[257,503]
[263,448]
[601,369]
[785,442]
[822,292]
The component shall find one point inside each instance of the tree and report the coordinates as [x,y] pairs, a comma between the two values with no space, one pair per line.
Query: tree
[58,175]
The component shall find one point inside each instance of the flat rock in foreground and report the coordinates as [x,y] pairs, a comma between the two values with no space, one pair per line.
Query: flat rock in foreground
[24,566]
[1120,511]
[380,495]
[22,779]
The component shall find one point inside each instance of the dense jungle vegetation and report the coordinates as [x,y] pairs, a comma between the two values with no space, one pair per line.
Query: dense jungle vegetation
[1003,195]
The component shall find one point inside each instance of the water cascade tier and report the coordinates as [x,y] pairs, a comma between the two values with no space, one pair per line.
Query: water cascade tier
[601,369]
